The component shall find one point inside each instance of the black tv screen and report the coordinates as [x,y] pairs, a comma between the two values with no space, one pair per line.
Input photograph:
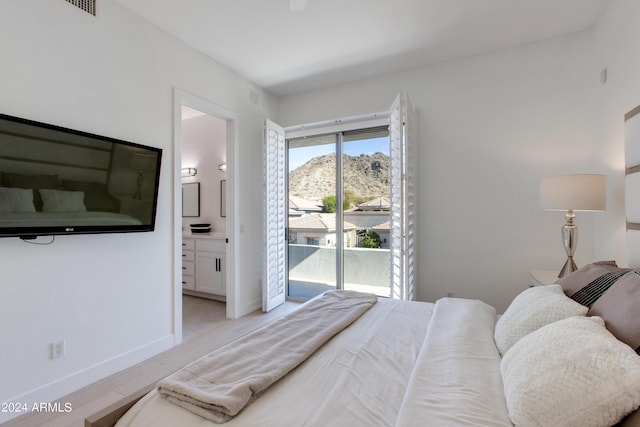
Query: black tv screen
[55,180]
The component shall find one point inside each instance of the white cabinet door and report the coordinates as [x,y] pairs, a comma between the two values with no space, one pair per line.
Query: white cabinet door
[220,278]
[210,272]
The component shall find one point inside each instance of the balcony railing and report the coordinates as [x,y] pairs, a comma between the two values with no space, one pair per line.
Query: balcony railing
[312,269]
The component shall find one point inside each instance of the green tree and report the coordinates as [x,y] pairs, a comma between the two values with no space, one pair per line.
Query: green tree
[371,240]
[350,199]
[329,203]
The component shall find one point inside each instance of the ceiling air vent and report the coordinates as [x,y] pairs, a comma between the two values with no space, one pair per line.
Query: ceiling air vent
[88,6]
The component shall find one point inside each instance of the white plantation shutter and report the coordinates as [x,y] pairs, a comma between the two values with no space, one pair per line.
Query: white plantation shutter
[275,245]
[403,199]
[410,200]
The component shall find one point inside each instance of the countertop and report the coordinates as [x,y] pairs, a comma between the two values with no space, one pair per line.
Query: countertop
[204,235]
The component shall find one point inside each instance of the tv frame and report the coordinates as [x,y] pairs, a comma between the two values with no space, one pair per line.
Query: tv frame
[32,232]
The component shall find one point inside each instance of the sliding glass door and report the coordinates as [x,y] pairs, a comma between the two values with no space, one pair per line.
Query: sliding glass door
[366,218]
[312,234]
[339,213]
[340,206]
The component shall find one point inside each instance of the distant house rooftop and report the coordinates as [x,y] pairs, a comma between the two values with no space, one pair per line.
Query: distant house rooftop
[320,222]
[386,226]
[300,206]
[379,204]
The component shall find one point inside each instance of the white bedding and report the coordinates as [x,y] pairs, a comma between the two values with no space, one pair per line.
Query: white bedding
[221,384]
[55,219]
[456,380]
[374,374]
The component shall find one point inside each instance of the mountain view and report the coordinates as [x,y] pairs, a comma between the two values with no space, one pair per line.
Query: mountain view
[367,176]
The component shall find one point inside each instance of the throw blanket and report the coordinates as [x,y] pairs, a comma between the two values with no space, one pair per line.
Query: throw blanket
[219,385]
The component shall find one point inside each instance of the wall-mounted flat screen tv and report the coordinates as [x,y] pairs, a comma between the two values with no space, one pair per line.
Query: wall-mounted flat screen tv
[55,180]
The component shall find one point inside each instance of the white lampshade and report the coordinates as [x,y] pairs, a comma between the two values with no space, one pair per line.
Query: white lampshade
[584,192]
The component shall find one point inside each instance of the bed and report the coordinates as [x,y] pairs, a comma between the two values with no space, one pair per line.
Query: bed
[560,355]
[343,383]
[448,363]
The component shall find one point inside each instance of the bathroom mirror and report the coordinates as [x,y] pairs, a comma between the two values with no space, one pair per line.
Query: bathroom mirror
[191,199]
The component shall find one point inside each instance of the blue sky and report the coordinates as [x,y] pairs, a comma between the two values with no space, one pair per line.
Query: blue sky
[299,156]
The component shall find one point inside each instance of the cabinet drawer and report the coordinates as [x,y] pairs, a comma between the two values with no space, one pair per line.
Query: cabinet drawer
[188,244]
[187,255]
[211,245]
[188,282]
[188,268]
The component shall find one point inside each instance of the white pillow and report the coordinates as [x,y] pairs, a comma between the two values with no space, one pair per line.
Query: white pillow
[16,200]
[571,373]
[62,201]
[532,309]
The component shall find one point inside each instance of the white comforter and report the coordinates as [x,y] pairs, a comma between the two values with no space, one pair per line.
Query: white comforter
[400,364]
[456,380]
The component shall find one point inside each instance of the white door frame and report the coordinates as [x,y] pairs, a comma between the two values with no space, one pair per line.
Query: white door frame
[183,98]
[401,119]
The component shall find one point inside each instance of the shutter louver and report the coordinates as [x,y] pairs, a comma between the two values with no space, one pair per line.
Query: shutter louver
[273,287]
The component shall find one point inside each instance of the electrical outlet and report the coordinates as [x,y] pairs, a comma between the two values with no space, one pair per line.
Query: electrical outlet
[57,349]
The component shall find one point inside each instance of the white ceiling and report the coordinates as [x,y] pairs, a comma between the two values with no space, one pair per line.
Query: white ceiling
[330,42]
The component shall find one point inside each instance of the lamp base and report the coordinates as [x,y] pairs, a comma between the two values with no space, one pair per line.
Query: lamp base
[568,267]
[569,234]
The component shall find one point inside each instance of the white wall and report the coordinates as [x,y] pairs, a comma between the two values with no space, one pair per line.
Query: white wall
[113,75]
[204,144]
[616,47]
[490,127]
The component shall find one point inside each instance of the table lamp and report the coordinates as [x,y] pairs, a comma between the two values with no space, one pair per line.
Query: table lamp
[582,192]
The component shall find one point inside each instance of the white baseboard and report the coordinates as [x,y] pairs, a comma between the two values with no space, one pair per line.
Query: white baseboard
[64,386]
[250,307]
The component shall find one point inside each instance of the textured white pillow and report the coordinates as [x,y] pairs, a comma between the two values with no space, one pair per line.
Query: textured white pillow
[571,373]
[16,200]
[62,201]
[532,309]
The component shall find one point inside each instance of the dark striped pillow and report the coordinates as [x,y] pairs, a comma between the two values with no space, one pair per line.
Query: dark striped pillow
[620,309]
[594,290]
[574,282]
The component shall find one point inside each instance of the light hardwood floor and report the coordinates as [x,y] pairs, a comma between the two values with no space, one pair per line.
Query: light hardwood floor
[205,329]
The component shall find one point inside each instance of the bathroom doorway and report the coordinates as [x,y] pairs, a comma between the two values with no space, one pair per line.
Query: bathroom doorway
[204,139]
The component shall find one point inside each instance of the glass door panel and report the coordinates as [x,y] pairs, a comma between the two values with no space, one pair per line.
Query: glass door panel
[366,217]
[311,163]
[355,255]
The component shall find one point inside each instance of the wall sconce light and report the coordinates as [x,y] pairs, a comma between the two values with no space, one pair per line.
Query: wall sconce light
[222,167]
[585,192]
[189,171]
